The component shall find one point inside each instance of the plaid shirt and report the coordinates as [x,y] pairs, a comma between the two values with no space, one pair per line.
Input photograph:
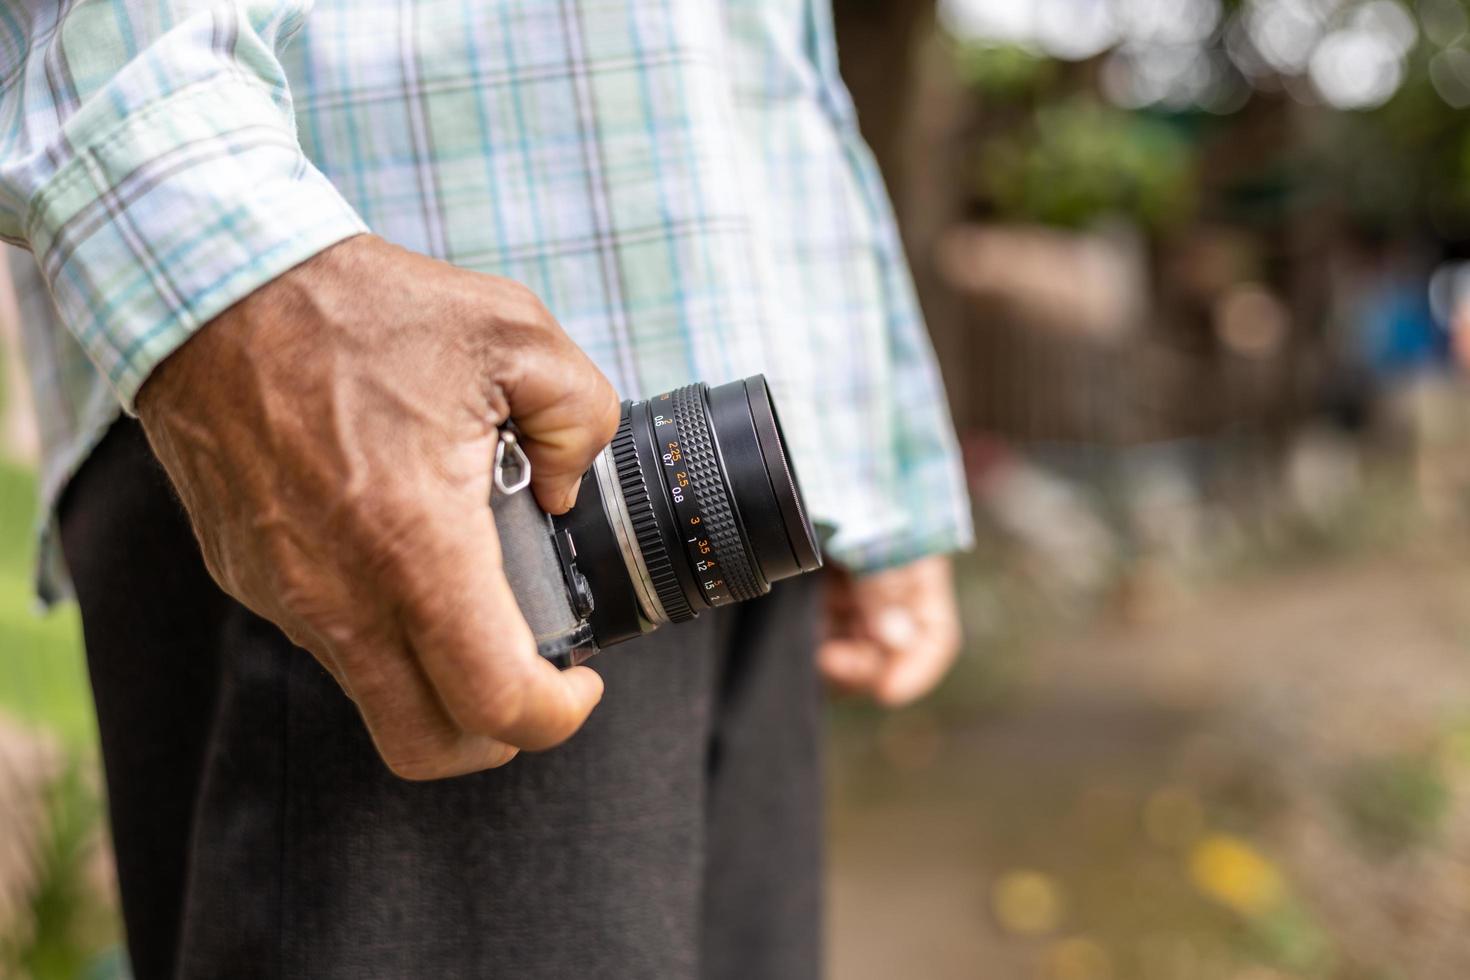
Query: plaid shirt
[681,181]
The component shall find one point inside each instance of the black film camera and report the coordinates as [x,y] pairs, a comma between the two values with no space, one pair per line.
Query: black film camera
[693,505]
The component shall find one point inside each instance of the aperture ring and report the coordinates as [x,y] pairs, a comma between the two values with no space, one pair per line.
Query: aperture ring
[656,558]
[735,579]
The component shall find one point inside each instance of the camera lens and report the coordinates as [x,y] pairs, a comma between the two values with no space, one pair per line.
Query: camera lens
[693,505]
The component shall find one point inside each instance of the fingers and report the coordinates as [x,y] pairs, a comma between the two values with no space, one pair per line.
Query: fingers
[892,635]
[850,666]
[567,412]
[893,676]
[412,733]
[847,660]
[913,671]
[917,624]
[468,635]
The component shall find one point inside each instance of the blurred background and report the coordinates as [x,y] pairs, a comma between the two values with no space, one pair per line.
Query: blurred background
[1193,270]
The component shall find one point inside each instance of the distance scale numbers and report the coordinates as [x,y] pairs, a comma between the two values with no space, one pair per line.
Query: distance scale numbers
[702,558]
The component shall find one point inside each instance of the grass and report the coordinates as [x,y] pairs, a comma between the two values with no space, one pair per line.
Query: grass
[43,678]
[43,684]
[1395,803]
[70,921]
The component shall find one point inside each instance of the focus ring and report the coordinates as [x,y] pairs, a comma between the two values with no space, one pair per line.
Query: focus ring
[645,525]
[720,526]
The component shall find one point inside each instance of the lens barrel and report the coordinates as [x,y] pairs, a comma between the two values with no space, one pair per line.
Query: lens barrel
[694,505]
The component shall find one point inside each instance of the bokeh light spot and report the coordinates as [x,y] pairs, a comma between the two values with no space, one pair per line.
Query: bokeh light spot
[1028,903]
[1077,958]
[1449,71]
[1444,21]
[1388,21]
[1356,68]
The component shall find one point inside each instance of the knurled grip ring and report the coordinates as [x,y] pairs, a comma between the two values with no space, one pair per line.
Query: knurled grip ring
[720,525]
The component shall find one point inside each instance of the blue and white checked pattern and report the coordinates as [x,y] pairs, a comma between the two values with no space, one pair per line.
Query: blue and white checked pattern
[681,181]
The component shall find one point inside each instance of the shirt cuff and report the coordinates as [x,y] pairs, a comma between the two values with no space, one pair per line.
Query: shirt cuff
[930,515]
[166,218]
[887,551]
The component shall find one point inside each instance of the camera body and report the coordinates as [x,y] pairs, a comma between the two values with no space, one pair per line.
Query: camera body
[693,505]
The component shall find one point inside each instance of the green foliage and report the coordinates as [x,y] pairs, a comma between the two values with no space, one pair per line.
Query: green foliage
[1394,803]
[1082,160]
[69,921]
[43,682]
[1004,71]
[1399,169]
[1289,937]
[42,672]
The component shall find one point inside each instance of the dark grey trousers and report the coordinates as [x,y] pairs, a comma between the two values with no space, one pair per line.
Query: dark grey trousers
[258,835]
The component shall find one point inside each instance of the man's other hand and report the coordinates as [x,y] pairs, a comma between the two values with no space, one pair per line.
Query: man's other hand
[331,437]
[892,635]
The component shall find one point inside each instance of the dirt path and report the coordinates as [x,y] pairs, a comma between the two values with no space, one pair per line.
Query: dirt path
[1272,780]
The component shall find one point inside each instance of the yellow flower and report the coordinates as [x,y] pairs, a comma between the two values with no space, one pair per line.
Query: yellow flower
[1027,903]
[1236,875]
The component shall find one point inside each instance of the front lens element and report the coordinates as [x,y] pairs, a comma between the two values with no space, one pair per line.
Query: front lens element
[714,504]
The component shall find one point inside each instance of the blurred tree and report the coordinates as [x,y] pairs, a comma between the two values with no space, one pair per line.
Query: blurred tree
[1374,91]
[1081,160]
[1296,130]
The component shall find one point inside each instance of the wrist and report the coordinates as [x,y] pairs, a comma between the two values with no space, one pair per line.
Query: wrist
[206,364]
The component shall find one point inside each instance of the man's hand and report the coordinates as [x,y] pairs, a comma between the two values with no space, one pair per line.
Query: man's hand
[1460,334]
[331,437]
[892,635]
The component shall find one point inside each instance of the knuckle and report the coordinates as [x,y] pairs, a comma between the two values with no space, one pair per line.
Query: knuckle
[492,705]
[610,413]
[416,767]
[523,297]
[598,409]
[419,755]
[519,308]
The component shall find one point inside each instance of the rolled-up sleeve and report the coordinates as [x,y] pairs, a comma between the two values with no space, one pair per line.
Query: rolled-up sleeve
[150,163]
